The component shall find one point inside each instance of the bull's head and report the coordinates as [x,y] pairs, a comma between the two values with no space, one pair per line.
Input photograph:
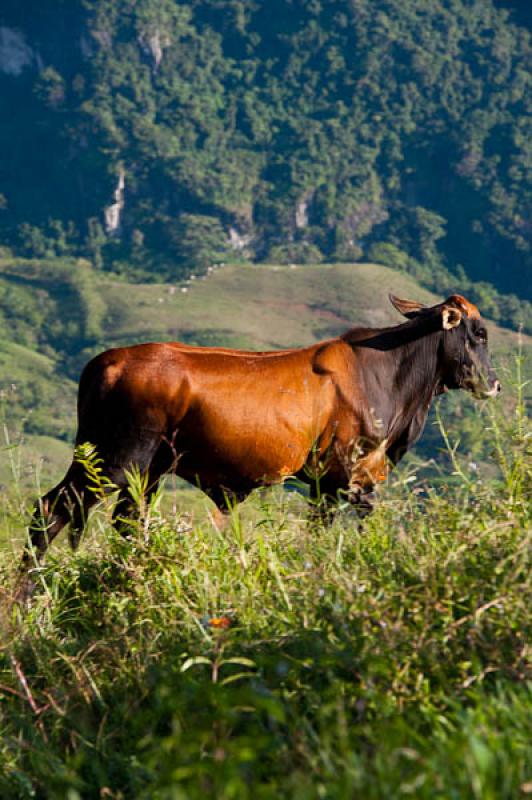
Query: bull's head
[465,361]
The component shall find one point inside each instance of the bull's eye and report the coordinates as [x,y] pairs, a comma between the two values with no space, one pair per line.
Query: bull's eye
[482,334]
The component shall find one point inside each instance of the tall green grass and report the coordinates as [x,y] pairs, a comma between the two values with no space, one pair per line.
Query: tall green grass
[276,659]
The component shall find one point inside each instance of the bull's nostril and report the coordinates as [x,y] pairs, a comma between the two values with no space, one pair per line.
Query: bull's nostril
[498,385]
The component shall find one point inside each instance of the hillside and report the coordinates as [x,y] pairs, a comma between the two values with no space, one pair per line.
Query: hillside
[59,322]
[158,136]
[266,307]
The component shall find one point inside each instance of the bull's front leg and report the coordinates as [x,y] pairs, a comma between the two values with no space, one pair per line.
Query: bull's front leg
[350,476]
[362,499]
[367,471]
[323,507]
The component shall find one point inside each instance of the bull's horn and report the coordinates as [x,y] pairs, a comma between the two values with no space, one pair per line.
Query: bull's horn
[408,308]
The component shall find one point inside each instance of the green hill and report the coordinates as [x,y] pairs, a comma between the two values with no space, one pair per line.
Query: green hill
[270,306]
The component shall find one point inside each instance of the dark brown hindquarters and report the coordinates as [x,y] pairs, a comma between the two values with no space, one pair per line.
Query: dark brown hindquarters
[121,439]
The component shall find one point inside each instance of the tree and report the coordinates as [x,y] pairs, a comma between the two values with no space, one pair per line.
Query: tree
[198,242]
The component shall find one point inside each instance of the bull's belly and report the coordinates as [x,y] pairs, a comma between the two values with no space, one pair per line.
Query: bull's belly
[250,427]
[239,462]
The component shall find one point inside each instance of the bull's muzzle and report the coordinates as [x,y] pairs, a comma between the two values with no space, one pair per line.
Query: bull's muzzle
[493,389]
[482,385]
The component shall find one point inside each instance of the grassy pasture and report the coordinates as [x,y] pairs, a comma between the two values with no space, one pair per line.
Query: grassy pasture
[274,659]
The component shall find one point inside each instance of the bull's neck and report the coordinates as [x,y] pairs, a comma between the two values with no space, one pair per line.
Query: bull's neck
[416,376]
[405,378]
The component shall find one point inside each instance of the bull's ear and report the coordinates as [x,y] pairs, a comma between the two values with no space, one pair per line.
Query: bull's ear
[408,308]
[451,317]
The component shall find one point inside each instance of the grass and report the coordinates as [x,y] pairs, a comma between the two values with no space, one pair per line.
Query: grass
[277,660]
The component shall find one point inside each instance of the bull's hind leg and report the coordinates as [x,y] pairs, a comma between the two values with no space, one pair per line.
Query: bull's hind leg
[71,500]
[78,519]
[68,502]
[124,512]
[126,509]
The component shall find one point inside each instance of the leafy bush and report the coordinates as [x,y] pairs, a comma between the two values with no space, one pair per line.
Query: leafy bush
[197,241]
[295,252]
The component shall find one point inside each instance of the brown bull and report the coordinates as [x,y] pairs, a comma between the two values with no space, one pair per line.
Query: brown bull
[229,421]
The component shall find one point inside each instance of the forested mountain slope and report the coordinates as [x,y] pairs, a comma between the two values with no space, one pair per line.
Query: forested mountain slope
[163,134]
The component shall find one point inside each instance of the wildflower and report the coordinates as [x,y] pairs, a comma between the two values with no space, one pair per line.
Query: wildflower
[221,623]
